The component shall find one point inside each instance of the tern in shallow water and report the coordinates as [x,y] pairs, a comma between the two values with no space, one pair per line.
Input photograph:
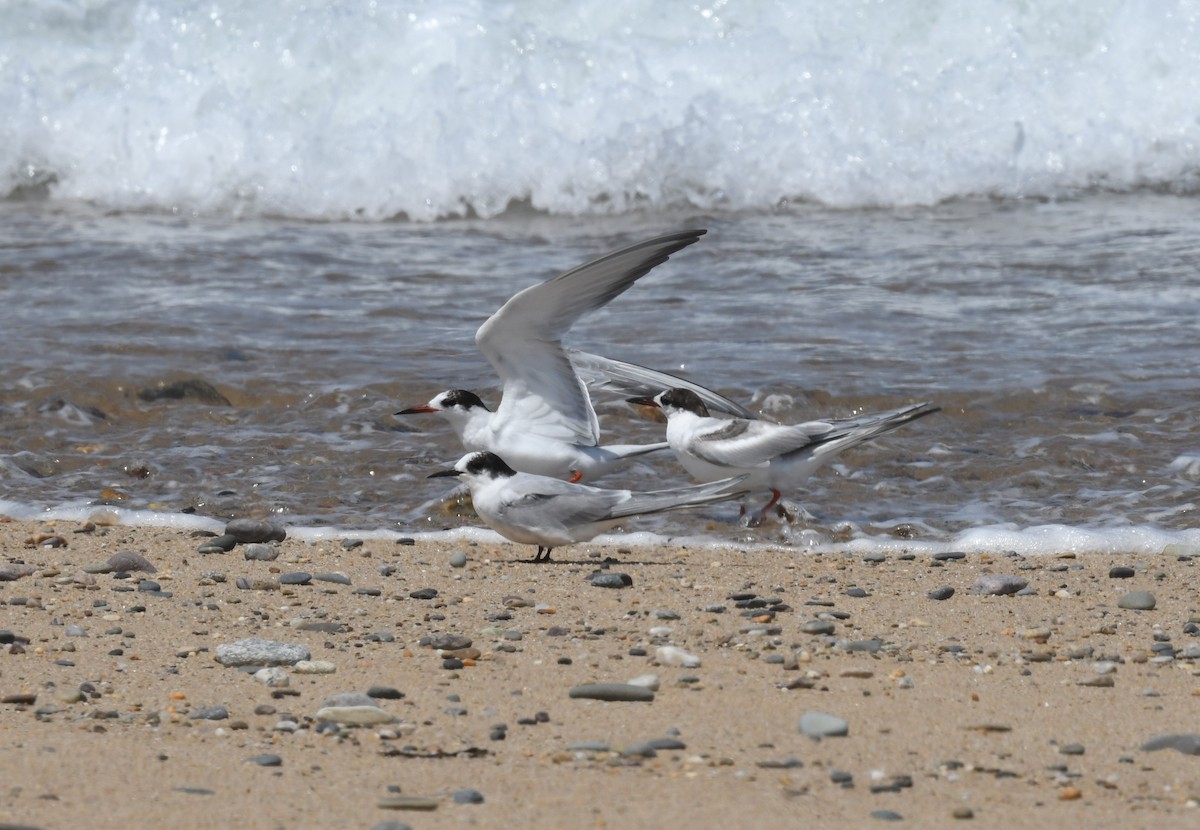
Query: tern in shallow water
[549,512]
[545,423]
[776,457]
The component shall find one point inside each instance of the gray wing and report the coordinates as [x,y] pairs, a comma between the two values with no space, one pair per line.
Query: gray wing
[632,380]
[745,443]
[523,339]
[561,504]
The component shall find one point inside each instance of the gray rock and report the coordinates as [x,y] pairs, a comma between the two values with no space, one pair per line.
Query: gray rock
[127,560]
[295,578]
[940,594]
[354,715]
[273,677]
[998,584]
[1187,743]
[255,651]
[468,797]
[349,699]
[335,577]
[868,646]
[823,725]
[210,713]
[260,552]
[246,531]
[449,642]
[818,627]
[1121,572]
[612,692]
[1137,601]
[384,693]
[458,559]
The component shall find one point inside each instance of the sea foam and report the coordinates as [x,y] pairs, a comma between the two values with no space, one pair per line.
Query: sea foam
[371,110]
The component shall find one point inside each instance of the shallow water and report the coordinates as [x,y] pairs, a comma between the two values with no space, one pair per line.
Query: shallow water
[1060,339]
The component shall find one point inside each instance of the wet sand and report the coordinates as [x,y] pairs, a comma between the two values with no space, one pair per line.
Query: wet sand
[979,711]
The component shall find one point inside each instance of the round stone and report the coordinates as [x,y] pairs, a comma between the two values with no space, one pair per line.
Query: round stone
[259,552]
[458,559]
[1137,601]
[940,594]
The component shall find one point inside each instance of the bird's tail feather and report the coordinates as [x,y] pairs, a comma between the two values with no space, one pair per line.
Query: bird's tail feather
[658,501]
[849,432]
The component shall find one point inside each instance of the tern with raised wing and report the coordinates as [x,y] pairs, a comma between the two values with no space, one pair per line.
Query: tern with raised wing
[545,423]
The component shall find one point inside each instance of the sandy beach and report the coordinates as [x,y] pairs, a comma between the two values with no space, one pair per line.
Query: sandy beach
[975,710]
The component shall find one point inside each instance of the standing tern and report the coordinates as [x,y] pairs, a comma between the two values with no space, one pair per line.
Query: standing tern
[773,456]
[545,423]
[549,512]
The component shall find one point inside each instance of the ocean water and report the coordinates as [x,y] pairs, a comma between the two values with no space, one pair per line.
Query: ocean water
[304,211]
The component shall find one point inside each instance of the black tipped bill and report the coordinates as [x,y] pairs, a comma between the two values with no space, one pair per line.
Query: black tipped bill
[416,410]
[445,474]
[644,400]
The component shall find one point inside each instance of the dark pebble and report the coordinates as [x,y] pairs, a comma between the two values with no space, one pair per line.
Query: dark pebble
[612,692]
[267,760]
[886,815]
[424,593]
[452,663]
[468,797]
[857,593]
[351,544]
[295,578]
[149,585]
[941,593]
[949,556]
[384,693]
[218,544]
[1121,573]
[609,579]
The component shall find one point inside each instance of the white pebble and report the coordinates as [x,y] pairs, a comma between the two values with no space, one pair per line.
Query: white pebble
[674,656]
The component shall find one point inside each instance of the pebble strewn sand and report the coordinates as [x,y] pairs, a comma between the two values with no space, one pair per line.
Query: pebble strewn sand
[979,711]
